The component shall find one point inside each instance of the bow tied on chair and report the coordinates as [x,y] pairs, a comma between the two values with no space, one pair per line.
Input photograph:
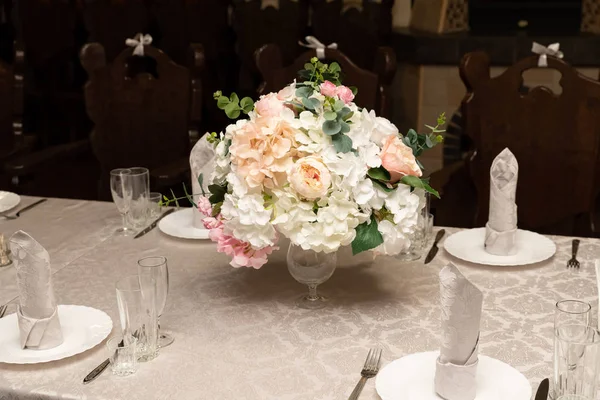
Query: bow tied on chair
[544,52]
[314,43]
[138,43]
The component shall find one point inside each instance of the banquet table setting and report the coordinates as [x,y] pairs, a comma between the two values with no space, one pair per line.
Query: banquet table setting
[238,333]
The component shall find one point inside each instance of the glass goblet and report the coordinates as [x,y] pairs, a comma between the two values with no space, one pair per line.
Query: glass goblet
[120,187]
[157,268]
[312,269]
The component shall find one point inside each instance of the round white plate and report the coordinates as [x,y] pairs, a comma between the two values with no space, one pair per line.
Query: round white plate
[8,200]
[468,245]
[82,328]
[412,377]
[180,224]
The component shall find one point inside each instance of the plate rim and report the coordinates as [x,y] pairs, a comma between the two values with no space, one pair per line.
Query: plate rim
[184,210]
[501,264]
[17,197]
[378,379]
[71,354]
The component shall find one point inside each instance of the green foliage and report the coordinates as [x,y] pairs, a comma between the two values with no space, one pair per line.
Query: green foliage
[367,236]
[379,174]
[310,103]
[416,182]
[217,193]
[232,105]
[213,138]
[316,72]
[331,127]
[342,143]
[421,142]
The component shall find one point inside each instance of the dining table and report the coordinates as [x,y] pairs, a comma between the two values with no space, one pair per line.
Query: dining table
[238,333]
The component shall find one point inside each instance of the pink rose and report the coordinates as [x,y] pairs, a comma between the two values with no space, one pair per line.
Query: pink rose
[398,159]
[269,105]
[328,89]
[345,94]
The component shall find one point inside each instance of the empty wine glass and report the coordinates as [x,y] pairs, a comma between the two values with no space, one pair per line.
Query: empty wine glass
[140,191]
[312,269]
[120,187]
[156,267]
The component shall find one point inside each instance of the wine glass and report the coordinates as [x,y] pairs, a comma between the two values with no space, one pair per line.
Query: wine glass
[312,269]
[156,267]
[120,187]
[140,191]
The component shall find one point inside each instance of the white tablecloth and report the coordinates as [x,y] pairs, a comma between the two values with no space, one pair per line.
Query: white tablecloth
[238,334]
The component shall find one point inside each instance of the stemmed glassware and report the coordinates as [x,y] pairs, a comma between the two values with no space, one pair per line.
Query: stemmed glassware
[157,269]
[312,269]
[140,192]
[120,187]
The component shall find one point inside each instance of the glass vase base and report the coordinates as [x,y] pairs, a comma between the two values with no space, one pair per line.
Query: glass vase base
[165,340]
[124,232]
[408,257]
[312,303]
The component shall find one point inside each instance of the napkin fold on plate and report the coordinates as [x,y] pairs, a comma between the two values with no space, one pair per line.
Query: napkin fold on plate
[501,228]
[202,161]
[37,314]
[597,266]
[456,366]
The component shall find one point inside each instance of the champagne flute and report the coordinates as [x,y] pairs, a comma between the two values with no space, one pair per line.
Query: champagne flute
[157,268]
[120,187]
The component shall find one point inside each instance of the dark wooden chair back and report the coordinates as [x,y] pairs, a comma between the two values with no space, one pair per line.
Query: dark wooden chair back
[111,22]
[140,119]
[373,87]
[282,22]
[357,26]
[555,138]
[11,104]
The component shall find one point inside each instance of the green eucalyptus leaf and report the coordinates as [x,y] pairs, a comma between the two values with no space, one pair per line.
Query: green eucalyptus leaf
[309,67]
[201,183]
[367,236]
[420,166]
[222,101]
[334,67]
[418,183]
[354,90]
[232,110]
[330,116]
[412,135]
[247,104]
[304,74]
[331,127]
[338,105]
[428,142]
[216,209]
[345,128]
[234,98]
[304,91]
[342,143]
[379,173]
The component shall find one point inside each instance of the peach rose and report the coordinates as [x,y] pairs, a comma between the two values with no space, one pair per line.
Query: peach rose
[328,89]
[398,159]
[310,178]
[269,105]
[345,94]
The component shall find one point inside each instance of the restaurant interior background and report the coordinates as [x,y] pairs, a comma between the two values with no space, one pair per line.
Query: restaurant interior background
[48,117]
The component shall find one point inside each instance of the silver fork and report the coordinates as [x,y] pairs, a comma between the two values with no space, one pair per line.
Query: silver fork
[370,369]
[573,263]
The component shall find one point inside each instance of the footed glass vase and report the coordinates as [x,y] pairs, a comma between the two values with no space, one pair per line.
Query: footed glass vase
[420,235]
[312,269]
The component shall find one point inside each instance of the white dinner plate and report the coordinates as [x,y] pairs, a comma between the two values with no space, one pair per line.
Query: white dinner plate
[468,245]
[412,378]
[180,225]
[82,328]
[8,200]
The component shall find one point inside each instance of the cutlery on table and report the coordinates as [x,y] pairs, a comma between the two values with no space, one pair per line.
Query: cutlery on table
[542,392]
[573,263]
[22,210]
[153,225]
[434,249]
[3,309]
[370,369]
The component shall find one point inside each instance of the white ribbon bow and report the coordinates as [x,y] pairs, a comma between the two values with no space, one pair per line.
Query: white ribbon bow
[138,43]
[544,52]
[314,43]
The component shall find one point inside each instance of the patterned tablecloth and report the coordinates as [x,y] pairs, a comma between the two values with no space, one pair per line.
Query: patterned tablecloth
[238,334]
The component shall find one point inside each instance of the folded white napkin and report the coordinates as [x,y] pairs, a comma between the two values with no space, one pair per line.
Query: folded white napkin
[202,161]
[456,366]
[501,229]
[597,265]
[37,312]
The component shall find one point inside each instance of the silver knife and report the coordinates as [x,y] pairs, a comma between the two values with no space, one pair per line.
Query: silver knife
[434,248]
[97,371]
[153,225]
[542,392]
[29,207]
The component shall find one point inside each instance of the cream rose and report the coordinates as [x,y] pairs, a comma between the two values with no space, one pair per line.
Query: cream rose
[310,178]
[398,159]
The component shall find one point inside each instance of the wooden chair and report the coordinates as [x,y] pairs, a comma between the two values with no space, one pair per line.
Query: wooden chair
[373,87]
[555,138]
[140,119]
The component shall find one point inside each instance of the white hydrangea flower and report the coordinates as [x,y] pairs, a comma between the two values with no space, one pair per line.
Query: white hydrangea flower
[363,192]
[248,220]
[346,165]
[377,128]
[290,212]
[369,154]
[222,164]
[404,205]
[394,240]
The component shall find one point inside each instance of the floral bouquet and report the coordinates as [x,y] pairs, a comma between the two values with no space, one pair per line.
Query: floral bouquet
[311,165]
